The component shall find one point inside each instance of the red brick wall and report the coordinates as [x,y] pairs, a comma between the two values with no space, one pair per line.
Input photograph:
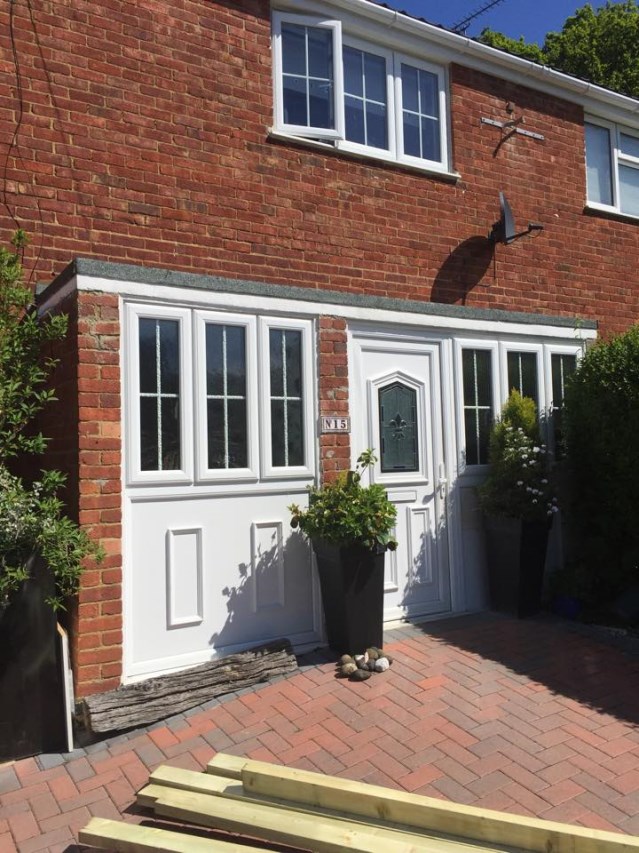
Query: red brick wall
[143,138]
[335,448]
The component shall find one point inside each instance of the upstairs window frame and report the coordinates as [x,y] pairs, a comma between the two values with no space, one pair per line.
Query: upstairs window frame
[336,136]
[617,160]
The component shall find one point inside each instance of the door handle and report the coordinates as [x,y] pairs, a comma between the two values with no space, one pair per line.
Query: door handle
[442,482]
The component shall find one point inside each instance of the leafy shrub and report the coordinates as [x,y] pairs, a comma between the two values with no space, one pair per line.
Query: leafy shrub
[518,483]
[602,454]
[32,519]
[346,513]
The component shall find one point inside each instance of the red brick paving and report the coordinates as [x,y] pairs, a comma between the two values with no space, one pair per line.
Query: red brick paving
[528,717]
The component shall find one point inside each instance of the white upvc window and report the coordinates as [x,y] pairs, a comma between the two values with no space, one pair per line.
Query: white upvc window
[612,166]
[478,398]
[160,402]
[287,424]
[521,369]
[227,397]
[357,95]
[561,363]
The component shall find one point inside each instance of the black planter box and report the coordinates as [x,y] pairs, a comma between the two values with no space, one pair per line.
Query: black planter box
[352,584]
[516,558]
[32,714]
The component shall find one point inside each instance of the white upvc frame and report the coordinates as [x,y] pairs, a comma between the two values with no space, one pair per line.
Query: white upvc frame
[391,130]
[617,158]
[249,324]
[268,470]
[523,347]
[549,350]
[491,346]
[135,475]
[394,60]
[278,71]
[442,77]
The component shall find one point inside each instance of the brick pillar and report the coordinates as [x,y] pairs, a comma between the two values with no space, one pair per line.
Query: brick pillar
[335,448]
[97,638]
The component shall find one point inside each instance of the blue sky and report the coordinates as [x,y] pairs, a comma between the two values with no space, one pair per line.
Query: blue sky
[529,18]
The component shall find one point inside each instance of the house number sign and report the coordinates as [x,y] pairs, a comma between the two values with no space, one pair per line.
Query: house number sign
[335,424]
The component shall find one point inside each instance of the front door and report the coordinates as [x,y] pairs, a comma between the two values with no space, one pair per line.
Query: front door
[397,410]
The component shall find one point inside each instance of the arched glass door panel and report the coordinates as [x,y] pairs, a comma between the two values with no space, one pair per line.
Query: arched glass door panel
[398,428]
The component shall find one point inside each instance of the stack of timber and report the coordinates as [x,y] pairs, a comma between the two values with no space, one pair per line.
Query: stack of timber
[268,805]
[146,702]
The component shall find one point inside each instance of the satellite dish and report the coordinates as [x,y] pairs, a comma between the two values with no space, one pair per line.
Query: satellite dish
[503,231]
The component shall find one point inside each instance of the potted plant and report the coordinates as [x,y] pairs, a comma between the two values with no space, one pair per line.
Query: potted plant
[519,505]
[41,549]
[351,528]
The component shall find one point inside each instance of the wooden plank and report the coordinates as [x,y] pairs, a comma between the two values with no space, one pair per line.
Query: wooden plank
[148,701]
[275,824]
[424,813]
[132,838]
[226,765]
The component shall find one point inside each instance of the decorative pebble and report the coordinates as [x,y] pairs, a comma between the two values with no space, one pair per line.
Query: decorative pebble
[347,668]
[372,653]
[389,659]
[381,665]
[359,659]
[360,675]
[346,659]
[362,664]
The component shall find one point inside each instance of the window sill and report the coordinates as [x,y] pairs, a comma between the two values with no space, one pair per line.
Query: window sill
[592,209]
[379,159]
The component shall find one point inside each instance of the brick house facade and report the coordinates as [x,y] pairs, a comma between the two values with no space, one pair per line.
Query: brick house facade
[144,141]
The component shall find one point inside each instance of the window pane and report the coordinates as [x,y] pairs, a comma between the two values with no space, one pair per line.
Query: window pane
[431,148]
[478,410]
[214,359]
[398,428]
[598,166]
[320,52]
[353,74]
[428,94]
[629,145]
[237,434]
[629,189]
[295,105]
[377,126]
[411,135]
[215,433]
[522,373]
[563,366]
[149,434]
[169,356]
[170,457]
[287,395]
[355,127]
[410,90]
[375,72]
[294,49]
[236,360]
[321,104]
[148,356]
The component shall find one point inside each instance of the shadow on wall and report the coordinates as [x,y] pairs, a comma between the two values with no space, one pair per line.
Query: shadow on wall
[272,597]
[464,268]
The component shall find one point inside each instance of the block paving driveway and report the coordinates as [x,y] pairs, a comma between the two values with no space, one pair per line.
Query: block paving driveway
[533,717]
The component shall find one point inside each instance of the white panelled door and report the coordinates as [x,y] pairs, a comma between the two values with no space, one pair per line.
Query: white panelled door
[397,410]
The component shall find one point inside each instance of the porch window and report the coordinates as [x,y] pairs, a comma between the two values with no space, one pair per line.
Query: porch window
[226,403]
[478,409]
[287,400]
[159,396]
[522,374]
[563,366]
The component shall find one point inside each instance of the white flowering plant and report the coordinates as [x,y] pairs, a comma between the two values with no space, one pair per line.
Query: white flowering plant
[519,484]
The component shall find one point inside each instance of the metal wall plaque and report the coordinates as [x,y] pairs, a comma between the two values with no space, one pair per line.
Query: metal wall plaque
[332,423]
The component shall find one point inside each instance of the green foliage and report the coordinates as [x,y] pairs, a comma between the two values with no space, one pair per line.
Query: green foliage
[32,518]
[518,483]
[600,45]
[345,513]
[601,421]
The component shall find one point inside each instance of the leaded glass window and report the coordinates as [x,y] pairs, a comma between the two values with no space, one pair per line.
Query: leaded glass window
[159,359]
[522,374]
[398,428]
[563,366]
[478,407]
[226,404]
[287,398]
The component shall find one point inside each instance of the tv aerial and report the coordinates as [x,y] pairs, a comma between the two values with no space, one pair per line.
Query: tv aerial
[462,26]
[503,231]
